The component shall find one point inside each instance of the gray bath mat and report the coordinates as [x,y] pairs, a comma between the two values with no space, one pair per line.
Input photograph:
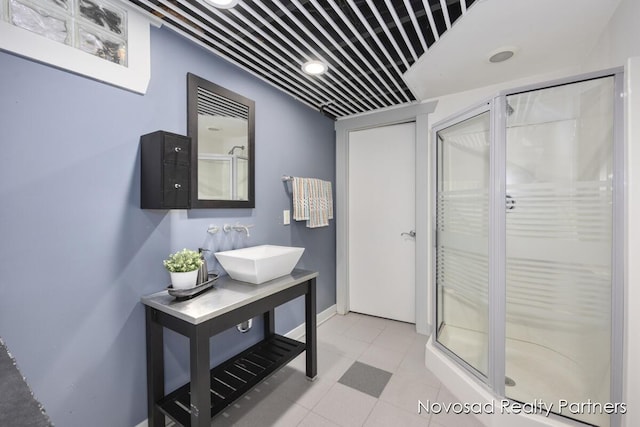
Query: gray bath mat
[366,378]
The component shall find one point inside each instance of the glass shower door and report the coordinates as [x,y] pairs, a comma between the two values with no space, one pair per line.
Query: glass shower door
[559,145]
[215,177]
[462,245]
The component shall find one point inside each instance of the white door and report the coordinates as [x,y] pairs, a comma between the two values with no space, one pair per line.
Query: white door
[381,221]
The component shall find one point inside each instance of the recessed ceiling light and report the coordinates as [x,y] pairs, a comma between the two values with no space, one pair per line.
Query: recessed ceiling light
[502,54]
[315,68]
[222,4]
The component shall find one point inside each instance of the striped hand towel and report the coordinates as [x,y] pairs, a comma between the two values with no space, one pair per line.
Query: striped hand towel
[300,199]
[312,201]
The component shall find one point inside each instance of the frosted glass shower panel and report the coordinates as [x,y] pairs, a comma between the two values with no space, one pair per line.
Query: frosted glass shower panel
[462,218]
[558,243]
[215,177]
[223,177]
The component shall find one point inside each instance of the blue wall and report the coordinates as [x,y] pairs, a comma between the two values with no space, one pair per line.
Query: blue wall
[77,252]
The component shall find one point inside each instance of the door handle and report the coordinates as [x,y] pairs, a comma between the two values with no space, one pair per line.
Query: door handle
[411,233]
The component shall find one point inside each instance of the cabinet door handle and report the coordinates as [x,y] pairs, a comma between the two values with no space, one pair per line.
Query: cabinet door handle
[177,149]
[177,185]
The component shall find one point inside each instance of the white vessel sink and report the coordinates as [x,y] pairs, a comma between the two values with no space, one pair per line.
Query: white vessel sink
[259,264]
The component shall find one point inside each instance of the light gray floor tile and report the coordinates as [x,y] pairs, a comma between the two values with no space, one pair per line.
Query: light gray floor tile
[385,414]
[274,410]
[331,365]
[314,420]
[337,324]
[287,398]
[405,391]
[372,321]
[340,344]
[401,327]
[363,332]
[304,392]
[345,406]
[413,364]
[395,340]
[382,358]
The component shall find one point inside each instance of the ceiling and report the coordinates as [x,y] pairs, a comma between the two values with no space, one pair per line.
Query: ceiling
[383,53]
[368,44]
[544,43]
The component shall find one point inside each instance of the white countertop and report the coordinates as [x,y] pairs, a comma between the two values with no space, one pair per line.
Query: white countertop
[227,295]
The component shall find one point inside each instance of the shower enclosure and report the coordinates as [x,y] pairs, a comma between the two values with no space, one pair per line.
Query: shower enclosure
[528,258]
[223,176]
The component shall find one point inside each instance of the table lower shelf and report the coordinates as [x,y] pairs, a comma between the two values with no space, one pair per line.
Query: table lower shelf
[234,377]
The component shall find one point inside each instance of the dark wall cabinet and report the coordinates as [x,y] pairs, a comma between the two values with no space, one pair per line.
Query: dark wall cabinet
[165,171]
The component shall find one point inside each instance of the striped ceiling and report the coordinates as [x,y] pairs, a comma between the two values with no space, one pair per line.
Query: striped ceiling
[367,44]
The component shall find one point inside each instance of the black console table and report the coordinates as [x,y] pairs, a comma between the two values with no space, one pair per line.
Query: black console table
[230,302]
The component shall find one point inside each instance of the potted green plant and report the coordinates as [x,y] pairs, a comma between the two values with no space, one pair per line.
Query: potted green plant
[183,268]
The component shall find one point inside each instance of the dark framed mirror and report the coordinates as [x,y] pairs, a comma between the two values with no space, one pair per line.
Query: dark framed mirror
[221,124]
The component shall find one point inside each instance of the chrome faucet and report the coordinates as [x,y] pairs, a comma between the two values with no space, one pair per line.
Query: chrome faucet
[238,227]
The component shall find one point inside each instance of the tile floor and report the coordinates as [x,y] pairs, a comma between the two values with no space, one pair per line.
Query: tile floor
[288,399]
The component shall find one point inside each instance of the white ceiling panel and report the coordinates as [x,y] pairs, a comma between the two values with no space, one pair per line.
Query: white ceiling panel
[546,35]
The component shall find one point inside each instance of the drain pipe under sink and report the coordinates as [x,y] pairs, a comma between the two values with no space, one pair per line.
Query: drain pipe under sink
[245,326]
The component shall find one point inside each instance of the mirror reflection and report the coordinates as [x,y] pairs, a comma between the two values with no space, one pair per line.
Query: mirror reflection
[221,127]
[223,153]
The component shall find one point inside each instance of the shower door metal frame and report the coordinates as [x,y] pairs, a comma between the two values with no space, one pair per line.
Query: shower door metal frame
[497,234]
[476,110]
[497,245]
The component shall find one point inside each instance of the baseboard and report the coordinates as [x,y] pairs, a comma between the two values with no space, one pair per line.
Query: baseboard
[321,317]
[295,333]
